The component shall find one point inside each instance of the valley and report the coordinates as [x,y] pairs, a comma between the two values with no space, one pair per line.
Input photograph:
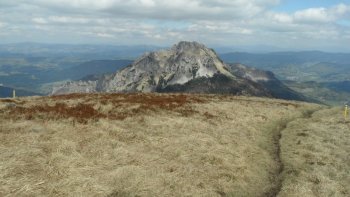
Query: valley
[40,74]
[315,74]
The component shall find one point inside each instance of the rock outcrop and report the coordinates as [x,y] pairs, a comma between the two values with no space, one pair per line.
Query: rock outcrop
[186,67]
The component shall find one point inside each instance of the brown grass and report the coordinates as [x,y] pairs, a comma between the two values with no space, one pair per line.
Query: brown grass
[165,145]
[315,153]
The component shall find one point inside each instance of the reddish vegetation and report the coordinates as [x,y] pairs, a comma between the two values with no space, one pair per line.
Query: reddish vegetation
[124,105]
[80,112]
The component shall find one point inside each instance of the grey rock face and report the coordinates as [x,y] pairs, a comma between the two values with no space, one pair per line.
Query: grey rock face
[252,74]
[76,87]
[186,67]
[185,61]
[182,63]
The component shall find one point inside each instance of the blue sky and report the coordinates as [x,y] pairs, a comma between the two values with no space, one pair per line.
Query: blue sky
[281,24]
[291,6]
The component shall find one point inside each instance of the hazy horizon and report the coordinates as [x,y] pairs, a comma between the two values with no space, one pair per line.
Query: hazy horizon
[258,49]
[278,25]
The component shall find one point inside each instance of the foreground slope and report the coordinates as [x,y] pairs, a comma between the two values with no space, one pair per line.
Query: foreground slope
[143,145]
[315,154]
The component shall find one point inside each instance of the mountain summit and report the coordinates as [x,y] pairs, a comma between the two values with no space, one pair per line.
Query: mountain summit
[156,70]
[186,67]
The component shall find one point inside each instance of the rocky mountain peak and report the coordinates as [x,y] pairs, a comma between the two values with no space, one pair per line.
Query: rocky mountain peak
[188,46]
[180,64]
[185,67]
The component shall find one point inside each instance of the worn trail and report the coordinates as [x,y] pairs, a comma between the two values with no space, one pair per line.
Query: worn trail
[277,135]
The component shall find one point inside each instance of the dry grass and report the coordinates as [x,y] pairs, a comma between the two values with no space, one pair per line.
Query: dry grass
[315,153]
[141,145]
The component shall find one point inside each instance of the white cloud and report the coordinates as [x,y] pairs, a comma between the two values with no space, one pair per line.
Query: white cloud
[313,15]
[219,27]
[160,9]
[39,20]
[164,22]
[322,15]
[148,3]
[68,19]
[105,35]
[340,10]
[278,17]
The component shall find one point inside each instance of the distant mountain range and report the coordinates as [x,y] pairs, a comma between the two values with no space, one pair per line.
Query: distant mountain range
[297,66]
[37,67]
[82,51]
[186,67]
[31,75]
[278,58]
[319,75]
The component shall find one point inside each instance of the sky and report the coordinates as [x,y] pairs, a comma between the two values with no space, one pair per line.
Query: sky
[281,24]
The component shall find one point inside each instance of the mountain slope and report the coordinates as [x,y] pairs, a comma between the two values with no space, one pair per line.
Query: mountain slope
[186,67]
[268,80]
[219,84]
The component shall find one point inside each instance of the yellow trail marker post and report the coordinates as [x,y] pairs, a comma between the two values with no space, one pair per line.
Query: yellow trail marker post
[346,111]
[14,93]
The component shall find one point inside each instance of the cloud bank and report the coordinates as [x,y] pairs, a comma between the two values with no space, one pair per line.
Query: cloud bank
[159,22]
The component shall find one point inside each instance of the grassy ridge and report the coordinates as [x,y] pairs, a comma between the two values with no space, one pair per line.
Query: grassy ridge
[142,145]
